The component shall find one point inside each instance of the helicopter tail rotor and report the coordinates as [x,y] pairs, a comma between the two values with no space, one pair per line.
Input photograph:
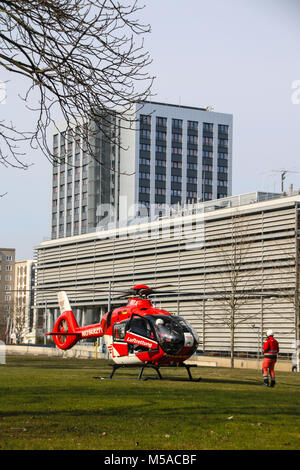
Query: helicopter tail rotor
[64,331]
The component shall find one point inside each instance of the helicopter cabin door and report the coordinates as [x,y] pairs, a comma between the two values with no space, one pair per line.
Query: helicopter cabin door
[140,335]
[120,347]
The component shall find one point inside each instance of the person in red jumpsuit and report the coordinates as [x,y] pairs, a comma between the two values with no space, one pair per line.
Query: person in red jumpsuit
[270,351]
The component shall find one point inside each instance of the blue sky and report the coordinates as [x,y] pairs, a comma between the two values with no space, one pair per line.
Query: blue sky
[239,56]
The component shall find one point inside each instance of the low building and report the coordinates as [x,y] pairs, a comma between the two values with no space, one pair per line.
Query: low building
[7,271]
[233,264]
[22,315]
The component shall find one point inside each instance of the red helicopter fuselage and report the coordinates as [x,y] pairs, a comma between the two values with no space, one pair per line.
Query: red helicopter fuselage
[134,334]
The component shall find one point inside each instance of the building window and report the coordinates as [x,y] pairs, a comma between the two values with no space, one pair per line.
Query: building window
[191,194]
[161,163]
[145,147]
[144,161]
[177,123]
[144,190]
[223,128]
[207,168]
[192,139]
[176,137]
[145,133]
[223,142]
[223,169]
[193,125]
[161,135]
[160,177]
[177,150]
[191,166]
[223,155]
[144,176]
[160,149]
[192,152]
[161,121]
[208,126]
[160,191]
[191,180]
[208,141]
[207,154]
[145,119]
[176,179]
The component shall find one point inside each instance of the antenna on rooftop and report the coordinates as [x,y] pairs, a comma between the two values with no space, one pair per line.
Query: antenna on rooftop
[283,176]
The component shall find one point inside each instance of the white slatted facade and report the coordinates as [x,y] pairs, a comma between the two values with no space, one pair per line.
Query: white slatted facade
[268,269]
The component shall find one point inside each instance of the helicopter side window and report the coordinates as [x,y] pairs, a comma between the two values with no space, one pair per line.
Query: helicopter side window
[141,326]
[119,331]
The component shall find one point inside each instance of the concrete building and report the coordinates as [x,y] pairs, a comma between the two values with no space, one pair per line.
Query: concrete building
[22,318]
[253,238]
[174,155]
[7,272]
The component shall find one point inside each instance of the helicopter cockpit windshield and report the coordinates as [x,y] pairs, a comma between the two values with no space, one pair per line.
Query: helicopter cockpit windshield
[173,333]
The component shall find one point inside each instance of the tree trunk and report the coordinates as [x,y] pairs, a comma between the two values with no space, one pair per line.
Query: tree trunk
[232,347]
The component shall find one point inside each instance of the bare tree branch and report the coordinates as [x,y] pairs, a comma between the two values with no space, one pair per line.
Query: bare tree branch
[81,59]
[234,291]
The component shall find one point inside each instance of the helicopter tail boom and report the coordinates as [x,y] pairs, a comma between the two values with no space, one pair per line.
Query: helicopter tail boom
[66,332]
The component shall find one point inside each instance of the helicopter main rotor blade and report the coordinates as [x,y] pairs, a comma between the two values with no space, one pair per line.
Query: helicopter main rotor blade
[162,286]
[74,290]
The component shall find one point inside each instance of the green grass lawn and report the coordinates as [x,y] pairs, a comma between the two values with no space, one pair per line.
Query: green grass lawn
[55,403]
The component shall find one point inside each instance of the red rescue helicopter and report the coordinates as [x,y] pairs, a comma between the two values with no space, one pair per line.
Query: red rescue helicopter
[136,334]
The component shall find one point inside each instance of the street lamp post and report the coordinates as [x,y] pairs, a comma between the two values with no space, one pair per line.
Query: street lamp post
[258,346]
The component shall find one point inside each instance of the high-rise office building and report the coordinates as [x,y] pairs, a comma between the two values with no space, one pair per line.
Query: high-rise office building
[173,156]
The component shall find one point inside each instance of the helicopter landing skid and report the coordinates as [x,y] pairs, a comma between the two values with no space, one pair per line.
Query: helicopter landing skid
[118,366]
[155,367]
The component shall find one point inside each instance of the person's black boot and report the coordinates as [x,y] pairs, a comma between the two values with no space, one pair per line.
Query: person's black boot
[272,384]
[266,381]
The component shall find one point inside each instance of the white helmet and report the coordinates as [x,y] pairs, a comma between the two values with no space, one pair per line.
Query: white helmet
[270,333]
